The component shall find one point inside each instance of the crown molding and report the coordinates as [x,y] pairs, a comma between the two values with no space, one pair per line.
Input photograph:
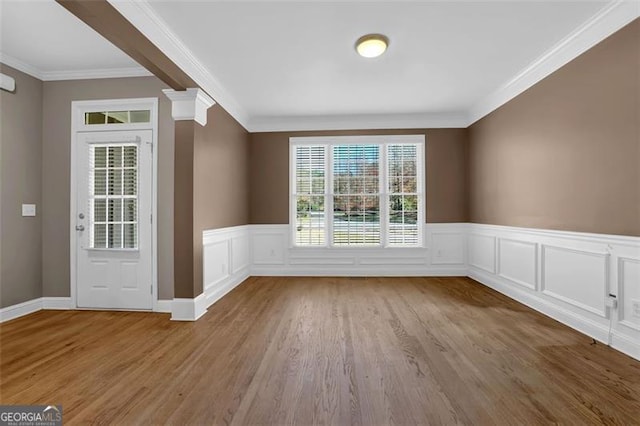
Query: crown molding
[72,74]
[145,19]
[611,18]
[94,74]
[20,66]
[360,122]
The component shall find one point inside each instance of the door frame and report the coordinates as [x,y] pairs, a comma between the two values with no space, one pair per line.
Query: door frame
[78,108]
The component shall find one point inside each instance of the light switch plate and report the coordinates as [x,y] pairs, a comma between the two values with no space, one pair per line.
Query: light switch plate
[28,210]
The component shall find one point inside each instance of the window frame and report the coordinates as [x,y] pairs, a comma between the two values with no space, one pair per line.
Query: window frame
[328,142]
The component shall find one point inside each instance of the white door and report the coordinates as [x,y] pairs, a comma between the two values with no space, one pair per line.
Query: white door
[113,223]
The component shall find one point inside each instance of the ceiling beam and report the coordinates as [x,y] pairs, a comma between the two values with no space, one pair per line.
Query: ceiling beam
[108,22]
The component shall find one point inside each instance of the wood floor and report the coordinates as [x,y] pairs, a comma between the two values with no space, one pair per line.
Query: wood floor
[334,351]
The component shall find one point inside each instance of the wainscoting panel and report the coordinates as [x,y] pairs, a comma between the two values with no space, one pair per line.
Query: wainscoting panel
[273,254]
[482,252]
[226,260]
[518,262]
[447,248]
[577,277]
[565,275]
[629,287]
[268,244]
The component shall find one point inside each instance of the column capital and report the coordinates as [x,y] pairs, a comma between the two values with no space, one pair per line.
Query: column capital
[190,104]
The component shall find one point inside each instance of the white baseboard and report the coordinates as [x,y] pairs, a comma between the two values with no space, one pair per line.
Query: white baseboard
[184,309]
[568,276]
[163,306]
[374,271]
[222,289]
[57,303]
[564,316]
[20,309]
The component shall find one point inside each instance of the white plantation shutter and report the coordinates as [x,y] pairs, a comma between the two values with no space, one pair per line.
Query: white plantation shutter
[309,195]
[356,195]
[113,196]
[367,191]
[403,199]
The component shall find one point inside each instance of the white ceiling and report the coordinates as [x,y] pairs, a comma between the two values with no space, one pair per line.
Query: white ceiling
[298,58]
[44,39]
[291,65]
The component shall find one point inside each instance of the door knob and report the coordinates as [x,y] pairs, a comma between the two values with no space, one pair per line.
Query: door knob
[79,227]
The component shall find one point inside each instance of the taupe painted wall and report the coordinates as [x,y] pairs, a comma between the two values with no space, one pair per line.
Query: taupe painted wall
[446,173]
[220,179]
[20,182]
[57,99]
[565,154]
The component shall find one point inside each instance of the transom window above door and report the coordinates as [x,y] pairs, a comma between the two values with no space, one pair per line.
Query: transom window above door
[357,191]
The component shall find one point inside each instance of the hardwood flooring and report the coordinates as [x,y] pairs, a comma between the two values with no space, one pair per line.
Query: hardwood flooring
[334,351]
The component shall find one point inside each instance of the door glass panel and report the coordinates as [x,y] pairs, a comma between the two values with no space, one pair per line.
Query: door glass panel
[113,196]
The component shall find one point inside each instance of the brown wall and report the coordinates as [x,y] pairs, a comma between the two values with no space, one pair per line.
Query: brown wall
[565,154]
[446,173]
[220,179]
[211,189]
[20,182]
[58,96]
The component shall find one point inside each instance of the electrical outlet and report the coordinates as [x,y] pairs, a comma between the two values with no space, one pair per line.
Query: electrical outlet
[635,308]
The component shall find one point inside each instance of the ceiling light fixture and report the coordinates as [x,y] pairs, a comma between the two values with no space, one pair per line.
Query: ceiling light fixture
[372,45]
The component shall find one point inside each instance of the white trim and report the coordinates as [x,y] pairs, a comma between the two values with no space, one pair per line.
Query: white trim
[34,305]
[567,317]
[611,18]
[163,306]
[86,74]
[20,66]
[190,104]
[95,74]
[20,309]
[271,255]
[571,235]
[564,303]
[77,125]
[147,21]
[358,121]
[57,303]
[188,309]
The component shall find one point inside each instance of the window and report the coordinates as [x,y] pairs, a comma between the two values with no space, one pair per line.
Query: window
[117,117]
[357,191]
[113,196]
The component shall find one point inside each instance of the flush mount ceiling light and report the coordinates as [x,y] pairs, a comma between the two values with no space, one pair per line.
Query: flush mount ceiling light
[372,45]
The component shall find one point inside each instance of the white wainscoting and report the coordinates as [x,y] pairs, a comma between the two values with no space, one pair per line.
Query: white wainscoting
[226,260]
[443,255]
[566,275]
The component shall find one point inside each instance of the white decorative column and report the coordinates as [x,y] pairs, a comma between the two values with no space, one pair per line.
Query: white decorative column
[190,104]
[188,107]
